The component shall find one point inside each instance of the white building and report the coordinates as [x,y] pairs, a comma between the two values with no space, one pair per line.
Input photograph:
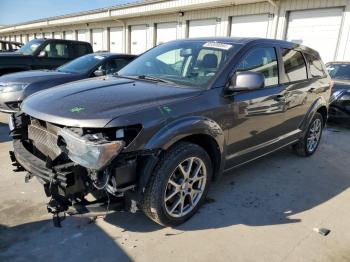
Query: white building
[321,24]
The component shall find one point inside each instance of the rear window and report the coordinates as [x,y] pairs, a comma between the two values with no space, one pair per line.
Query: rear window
[316,66]
[294,65]
[80,50]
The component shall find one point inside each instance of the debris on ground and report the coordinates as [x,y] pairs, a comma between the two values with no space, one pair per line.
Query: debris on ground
[322,231]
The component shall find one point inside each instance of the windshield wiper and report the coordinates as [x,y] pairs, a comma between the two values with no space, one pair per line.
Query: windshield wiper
[153,78]
[144,77]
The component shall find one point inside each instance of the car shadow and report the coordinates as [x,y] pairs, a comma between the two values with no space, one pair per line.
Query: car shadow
[269,191]
[75,241]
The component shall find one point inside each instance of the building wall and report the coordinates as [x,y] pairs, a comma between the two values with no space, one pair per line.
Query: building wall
[277,26]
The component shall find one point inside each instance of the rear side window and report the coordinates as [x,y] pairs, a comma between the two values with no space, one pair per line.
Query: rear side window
[294,65]
[57,50]
[80,50]
[263,60]
[316,66]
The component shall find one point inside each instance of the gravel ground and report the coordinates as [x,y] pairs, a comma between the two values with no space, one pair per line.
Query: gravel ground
[263,211]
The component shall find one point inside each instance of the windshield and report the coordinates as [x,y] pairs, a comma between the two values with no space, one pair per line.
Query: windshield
[190,63]
[82,64]
[339,71]
[30,47]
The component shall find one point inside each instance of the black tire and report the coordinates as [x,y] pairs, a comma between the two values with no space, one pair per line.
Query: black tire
[301,148]
[153,201]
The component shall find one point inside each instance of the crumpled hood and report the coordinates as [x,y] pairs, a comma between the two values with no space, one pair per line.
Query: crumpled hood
[95,102]
[34,76]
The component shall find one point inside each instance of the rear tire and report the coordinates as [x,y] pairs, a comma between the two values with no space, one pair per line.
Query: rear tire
[308,145]
[178,186]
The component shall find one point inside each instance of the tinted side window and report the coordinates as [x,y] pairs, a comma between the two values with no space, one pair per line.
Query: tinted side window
[80,50]
[294,65]
[114,65]
[57,50]
[263,60]
[119,63]
[316,66]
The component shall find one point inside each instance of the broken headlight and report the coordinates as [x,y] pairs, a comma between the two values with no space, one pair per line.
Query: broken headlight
[91,151]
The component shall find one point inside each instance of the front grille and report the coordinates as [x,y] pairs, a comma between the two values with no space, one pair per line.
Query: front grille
[44,138]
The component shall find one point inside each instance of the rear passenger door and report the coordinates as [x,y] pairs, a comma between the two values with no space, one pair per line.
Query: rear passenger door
[259,115]
[299,88]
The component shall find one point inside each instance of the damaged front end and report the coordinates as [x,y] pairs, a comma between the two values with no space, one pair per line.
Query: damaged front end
[73,162]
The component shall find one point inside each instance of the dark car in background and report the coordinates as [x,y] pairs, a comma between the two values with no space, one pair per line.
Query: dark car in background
[340,100]
[42,54]
[9,46]
[17,86]
[170,122]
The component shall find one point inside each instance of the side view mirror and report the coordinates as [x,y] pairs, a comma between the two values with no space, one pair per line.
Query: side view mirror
[247,80]
[42,54]
[99,72]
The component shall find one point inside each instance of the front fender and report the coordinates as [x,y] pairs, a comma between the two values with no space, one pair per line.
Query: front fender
[178,129]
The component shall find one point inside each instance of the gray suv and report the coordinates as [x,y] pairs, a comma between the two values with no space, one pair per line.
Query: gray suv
[170,122]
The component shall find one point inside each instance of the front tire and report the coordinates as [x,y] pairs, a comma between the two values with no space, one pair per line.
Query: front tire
[178,185]
[309,143]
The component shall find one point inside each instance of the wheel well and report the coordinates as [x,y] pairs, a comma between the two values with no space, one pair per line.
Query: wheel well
[210,146]
[323,111]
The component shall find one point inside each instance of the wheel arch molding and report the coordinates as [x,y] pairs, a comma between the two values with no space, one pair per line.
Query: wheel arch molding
[196,129]
[320,104]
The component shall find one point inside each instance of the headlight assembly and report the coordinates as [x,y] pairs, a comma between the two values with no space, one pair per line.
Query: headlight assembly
[12,87]
[90,151]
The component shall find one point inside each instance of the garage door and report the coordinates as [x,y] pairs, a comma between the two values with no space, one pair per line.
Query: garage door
[318,29]
[116,40]
[57,35]
[97,39]
[69,35]
[250,26]
[138,39]
[202,28]
[38,35]
[83,35]
[31,37]
[166,32]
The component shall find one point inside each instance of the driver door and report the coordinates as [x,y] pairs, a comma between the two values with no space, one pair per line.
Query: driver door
[258,115]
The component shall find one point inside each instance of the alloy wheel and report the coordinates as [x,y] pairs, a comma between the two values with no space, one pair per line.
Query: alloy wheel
[314,135]
[185,187]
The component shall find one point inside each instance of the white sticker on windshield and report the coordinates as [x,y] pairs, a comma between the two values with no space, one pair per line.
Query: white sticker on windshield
[217,45]
[99,57]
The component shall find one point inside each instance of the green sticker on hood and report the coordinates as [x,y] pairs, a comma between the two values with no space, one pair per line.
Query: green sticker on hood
[77,109]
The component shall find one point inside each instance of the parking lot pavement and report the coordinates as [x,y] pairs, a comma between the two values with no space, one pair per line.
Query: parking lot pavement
[264,211]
